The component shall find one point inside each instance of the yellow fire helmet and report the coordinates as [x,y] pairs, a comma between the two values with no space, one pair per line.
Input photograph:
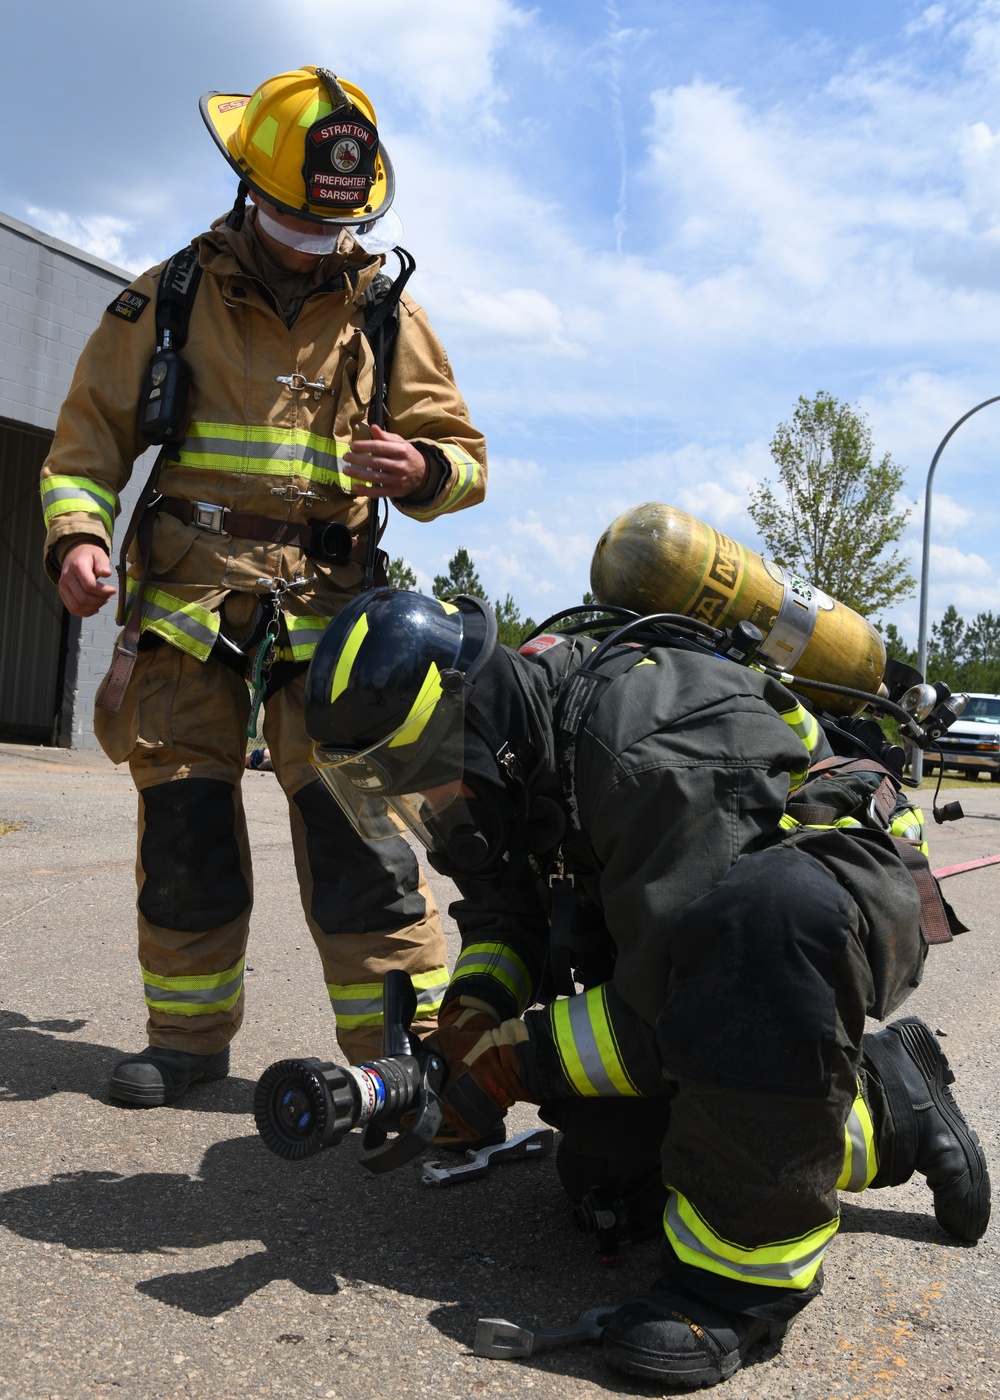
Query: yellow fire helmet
[308,143]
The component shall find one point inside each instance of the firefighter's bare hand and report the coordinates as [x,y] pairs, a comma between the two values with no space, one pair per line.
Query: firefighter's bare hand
[80,583]
[386,465]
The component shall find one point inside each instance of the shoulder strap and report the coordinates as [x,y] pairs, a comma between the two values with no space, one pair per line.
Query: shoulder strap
[578,700]
[381,313]
[175,299]
[381,326]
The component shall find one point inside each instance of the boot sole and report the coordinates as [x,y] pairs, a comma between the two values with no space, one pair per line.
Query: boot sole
[683,1369]
[158,1096]
[923,1048]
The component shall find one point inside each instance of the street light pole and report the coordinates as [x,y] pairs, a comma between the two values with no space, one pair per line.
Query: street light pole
[917,760]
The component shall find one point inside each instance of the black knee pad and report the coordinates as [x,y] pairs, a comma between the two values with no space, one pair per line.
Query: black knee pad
[358,886]
[752,1002]
[190,856]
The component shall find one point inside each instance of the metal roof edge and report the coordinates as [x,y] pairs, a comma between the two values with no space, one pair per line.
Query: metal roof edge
[58,246]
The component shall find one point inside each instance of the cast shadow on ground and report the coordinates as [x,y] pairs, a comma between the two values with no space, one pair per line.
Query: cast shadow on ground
[919,1226]
[35,1063]
[503,1246]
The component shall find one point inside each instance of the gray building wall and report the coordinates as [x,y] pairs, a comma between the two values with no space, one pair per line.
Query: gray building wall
[52,296]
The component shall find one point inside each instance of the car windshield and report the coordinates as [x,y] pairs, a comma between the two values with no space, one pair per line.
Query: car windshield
[983,707]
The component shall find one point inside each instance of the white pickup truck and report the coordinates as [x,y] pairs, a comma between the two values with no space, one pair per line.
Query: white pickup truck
[972,744]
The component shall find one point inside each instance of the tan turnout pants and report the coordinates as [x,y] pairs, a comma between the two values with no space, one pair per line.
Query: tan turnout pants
[182,729]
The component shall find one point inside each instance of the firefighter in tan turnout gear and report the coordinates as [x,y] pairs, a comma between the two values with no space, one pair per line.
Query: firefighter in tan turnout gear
[255,532]
[672,831]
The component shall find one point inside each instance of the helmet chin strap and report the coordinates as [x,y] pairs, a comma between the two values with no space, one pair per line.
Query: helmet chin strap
[239,210]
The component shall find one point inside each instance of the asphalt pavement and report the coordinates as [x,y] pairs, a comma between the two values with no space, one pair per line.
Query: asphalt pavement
[165,1252]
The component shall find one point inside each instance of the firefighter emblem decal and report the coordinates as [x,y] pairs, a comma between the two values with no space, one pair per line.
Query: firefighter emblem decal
[341,151]
[345,154]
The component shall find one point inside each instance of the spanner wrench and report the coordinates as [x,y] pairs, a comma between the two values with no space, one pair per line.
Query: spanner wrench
[499,1340]
[537,1142]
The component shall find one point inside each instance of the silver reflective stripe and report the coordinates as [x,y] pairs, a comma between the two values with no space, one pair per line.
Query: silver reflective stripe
[242,451]
[477,961]
[305,633]
[777,1273]
[431,996]
[194,996]
[177,617]
[855,1135]
[52,494]
[587,1048]
[357,1006]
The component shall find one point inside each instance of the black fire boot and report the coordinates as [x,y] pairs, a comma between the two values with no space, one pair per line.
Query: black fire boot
[927,1132]
[160,1076]
[670,1335]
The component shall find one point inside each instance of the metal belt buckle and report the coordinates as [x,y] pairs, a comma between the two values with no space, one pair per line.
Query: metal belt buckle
[208,517]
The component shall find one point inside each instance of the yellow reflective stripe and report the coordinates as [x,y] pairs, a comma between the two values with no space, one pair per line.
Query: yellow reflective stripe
[421,709]
[304,633]
[784,1264]
[788,823]
[467,469]
[804,725]
[66,495]
[860,1154]
[266,135]
[347,657]
[588,1048]
[909,825]
[265,451]
[499,962]
[188,626]
[360,1003]
[196,995]
[317,108]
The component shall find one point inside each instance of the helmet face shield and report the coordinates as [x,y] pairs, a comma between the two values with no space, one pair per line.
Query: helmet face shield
[407,779]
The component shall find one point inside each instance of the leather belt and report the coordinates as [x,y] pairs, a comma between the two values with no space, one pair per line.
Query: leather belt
[327,540]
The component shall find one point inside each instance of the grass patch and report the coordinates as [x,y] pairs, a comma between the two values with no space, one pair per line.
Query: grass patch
[7,827]
[955,780]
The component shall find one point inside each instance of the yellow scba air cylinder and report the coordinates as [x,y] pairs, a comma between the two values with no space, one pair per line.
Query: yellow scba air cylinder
[655,558]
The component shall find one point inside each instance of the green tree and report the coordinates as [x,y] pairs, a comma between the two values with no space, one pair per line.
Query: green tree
[831,517]
[982,640]
[460,578]
[895,646]
[401,575]
[946,650]
[511,631]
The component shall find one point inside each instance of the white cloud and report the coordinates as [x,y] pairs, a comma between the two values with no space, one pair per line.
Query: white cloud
[102,235]
[439,55]
[931,18]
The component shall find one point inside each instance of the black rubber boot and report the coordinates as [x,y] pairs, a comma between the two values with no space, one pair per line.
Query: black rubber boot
[671,1336]
[930,1135]
[159,1076]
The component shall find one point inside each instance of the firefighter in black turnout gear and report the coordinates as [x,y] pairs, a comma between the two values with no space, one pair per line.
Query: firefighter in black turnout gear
[622,816]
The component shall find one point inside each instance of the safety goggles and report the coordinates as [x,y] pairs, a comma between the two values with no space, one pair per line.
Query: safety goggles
[379,236]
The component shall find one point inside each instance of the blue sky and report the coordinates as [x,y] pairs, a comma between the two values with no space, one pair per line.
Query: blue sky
[642,230]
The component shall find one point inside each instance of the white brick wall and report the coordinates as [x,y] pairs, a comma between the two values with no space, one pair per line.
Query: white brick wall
[52,296]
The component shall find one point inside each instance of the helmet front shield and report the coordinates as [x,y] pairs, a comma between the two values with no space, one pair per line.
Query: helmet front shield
[409,777]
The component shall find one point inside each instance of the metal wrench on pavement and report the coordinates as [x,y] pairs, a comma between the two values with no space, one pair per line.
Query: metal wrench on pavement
[537,1142]
[499,1340]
